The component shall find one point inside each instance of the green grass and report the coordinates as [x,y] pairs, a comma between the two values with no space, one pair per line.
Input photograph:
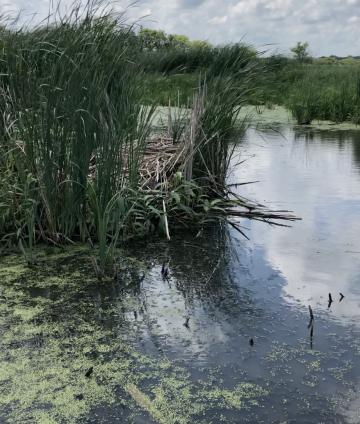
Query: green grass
[71,100]
[176,89]
[327,92]
[317,91]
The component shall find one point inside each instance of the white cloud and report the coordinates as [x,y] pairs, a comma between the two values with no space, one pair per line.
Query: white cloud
[244,7]
[219,19]
[353,19]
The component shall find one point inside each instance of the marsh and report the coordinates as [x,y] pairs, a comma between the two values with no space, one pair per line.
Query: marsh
[57,320]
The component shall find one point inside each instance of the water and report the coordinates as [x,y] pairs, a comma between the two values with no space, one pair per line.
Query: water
[262,287]
[232,290]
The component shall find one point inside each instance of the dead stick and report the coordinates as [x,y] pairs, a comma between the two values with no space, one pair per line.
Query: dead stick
[145,403]
[166,221]
[311,313]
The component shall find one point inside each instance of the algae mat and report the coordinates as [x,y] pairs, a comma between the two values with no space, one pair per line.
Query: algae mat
[57,321]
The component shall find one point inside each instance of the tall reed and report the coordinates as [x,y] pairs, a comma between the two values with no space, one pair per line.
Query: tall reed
[215,126]
[71,102]
[75,132]
[326,93]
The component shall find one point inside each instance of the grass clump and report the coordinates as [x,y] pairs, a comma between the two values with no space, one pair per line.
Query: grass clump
[326,93]
[70,100]
[76,136]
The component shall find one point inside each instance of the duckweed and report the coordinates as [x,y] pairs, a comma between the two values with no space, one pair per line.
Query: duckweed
[52,321]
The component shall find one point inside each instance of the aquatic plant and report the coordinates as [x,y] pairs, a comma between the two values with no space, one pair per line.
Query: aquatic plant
[51,343]
[71,101]
[78,159]
[325,93]
[214,124]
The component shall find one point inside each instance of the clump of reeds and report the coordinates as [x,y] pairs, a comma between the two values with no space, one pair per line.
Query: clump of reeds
[70,96]
[215,127]
[325,93]
[76,157]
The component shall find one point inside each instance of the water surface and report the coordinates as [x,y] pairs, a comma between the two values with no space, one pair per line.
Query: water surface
[232,290]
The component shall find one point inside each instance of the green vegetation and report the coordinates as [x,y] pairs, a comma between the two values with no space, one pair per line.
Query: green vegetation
[54,328]
[301,52]
[326,92]
[78,156]
[70,100]
[312,89]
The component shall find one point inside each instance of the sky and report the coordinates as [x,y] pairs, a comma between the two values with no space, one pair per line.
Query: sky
[329,26]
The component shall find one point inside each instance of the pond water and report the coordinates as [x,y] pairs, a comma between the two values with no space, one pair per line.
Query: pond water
[56,321]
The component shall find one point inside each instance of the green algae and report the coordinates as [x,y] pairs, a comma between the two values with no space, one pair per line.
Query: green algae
[314,366]
[27,313]
[265,116]
[339,373]
[274,115]
[11,270]
[51,334]
[282,353]
[241,396]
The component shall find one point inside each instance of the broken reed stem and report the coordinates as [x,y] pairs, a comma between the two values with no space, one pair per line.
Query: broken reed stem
[166,221]
[311,313]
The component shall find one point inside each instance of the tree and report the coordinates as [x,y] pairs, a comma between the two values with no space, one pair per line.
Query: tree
[301,52]
[151,39]
[200,44]
[179,41]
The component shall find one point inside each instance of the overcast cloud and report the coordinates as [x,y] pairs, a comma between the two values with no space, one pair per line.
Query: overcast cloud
[330,26]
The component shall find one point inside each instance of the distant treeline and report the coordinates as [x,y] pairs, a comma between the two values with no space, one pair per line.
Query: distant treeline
[167,53]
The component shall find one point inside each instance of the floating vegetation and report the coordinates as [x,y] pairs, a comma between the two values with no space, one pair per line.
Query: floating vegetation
[52,335]
[241,396]
[339,373]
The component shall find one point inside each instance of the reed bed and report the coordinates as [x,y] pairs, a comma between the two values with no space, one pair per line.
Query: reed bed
[326,92]
[79,159]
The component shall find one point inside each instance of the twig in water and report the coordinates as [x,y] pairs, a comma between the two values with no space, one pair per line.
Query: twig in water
[330,300]
[241,184]
[146,403]
[164,271]
[213,271]
[311,313]
[311,334]
[89,372]
[186,323]
[341,297]
[238,229]
[311,326]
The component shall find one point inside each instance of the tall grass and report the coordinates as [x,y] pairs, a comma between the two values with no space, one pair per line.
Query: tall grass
[75,131]
[71,102]
[326,93]
[196,58]
[215,126]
